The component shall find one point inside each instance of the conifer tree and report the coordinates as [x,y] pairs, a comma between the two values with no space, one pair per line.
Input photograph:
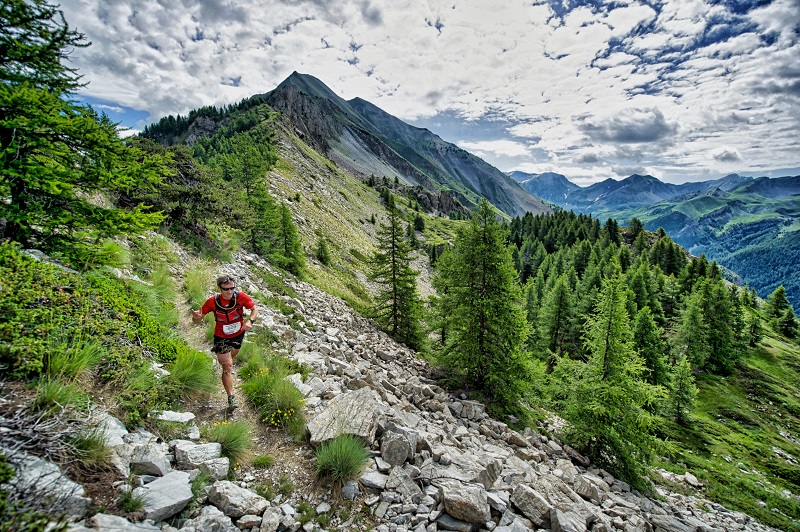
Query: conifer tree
[650,346]
[322,254]
[288,249]
[397,307]
[556,321]
[606,397]
[690,336]
[56,154]
[754,331]
[682,390]
[787,323]
[777,303]
[486,322]
[722,325]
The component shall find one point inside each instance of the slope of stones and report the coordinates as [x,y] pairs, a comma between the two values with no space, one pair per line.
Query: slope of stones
[439,462]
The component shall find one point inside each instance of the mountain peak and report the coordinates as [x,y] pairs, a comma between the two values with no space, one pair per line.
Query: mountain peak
[310,85]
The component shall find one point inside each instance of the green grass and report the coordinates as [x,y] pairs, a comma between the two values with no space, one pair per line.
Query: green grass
[285,486]
[151,252]
[129,503]
[192,374]
[70,357]
[90,449]
[278,402]
[263,461]
[236,439]
[198,280]
[198,486]
[159,296]
[341,459]
[741,427]
[266,490]
[53,396]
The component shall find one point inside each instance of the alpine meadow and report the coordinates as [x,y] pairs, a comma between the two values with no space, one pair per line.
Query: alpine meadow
[512,364]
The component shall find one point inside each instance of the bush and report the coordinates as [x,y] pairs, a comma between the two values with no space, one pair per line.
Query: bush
[235,438]
[341,459]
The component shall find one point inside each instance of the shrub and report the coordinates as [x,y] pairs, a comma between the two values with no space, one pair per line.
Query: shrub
[235,438]
[193,374]
[341,459]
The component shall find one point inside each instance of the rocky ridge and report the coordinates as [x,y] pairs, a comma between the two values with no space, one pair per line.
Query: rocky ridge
[439,462]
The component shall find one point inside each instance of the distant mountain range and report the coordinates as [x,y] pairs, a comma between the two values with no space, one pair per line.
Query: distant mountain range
[750,225]
[367,141]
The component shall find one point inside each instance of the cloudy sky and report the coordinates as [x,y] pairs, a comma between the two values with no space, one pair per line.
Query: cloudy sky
[680,89]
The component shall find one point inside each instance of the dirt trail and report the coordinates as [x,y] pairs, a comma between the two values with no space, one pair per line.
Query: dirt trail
[293,460]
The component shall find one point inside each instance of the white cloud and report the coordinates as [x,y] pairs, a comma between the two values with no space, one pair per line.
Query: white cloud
[577,88]
[497,147]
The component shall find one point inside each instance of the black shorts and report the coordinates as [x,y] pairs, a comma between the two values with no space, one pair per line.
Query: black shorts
[226,345]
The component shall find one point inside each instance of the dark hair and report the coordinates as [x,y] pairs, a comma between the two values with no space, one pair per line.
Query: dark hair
[222,279]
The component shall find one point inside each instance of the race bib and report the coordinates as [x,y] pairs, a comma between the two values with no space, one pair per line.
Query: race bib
[232,328]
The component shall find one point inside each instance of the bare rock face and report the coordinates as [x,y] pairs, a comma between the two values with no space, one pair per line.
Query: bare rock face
[353,413]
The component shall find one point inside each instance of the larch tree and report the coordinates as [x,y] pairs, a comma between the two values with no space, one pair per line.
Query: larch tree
[397,307]
[649,342]
[486,317]
[287,251]
[556,321]
[682,390]
[606,398]
[56,155]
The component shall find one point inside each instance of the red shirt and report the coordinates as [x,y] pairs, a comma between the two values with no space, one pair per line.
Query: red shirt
[229,315]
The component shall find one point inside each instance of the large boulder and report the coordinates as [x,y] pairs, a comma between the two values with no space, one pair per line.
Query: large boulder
[190,455]
[466,502]
[235,501]
[166,496]
[353,413]
[532,505]
[54,491]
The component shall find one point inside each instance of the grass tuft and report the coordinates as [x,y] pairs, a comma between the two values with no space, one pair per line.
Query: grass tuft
[91,451]
[263,461]
[53,396]
[341,459]
[71,357]
[130,503]
[236,440]
[193,373]
[197,281]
